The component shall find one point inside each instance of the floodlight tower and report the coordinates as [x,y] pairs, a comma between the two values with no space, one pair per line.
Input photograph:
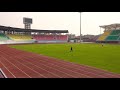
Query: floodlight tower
[27,22]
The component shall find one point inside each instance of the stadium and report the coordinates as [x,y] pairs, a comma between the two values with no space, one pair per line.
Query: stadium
[10,35]
[34,53]
[111,34]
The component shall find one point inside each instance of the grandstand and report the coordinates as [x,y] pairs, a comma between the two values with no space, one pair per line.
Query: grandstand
[50,37]
[19,37]
[3,37]
[10,35]
[111,33]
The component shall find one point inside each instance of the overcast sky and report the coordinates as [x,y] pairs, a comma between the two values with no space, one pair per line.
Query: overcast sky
[62,20]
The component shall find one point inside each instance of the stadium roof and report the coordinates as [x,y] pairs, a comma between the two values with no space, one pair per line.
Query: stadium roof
[111,26]
[5,28]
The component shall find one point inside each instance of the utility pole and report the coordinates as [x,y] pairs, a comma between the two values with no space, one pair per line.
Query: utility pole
[80,27]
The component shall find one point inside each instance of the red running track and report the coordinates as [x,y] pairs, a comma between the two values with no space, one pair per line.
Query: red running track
[22,64]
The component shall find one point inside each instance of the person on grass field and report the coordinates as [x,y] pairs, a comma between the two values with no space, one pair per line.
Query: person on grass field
[71,49]
[102,44]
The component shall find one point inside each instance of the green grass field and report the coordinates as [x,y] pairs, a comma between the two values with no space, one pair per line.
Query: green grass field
[106,57]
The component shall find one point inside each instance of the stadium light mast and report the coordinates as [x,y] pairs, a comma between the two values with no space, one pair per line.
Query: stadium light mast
[80,27]
[100,30]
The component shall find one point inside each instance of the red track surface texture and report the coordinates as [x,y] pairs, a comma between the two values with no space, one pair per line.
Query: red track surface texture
[21,64]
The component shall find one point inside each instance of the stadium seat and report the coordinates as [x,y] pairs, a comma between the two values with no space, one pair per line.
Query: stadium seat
[115,32]
[3,37]
[104,35]
[19,37]
[50,37]
[111,38]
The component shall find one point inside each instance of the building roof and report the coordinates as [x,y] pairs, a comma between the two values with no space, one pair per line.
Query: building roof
[5,28]
[111,26]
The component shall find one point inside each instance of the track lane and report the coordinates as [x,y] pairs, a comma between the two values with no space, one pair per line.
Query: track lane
[74,70]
